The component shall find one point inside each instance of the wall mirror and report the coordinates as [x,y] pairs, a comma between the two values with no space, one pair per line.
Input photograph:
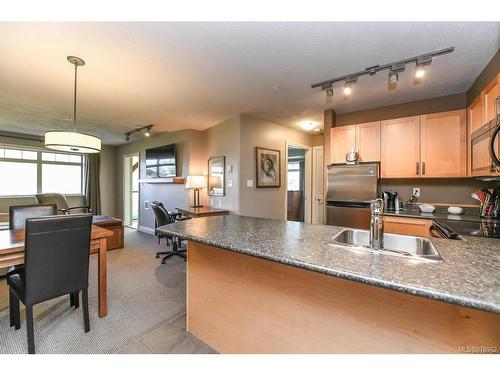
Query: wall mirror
[216,176]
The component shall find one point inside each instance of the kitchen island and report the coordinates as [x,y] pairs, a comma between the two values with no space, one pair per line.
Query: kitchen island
[269,286]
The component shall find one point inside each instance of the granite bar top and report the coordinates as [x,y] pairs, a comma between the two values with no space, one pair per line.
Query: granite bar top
[469,275]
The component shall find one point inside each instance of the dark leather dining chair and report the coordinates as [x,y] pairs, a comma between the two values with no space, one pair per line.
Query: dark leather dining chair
[19,214]
[163,217]
[56,262]
[17,220]
[60,201]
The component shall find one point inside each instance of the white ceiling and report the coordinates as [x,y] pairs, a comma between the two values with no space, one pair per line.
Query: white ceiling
[195,75]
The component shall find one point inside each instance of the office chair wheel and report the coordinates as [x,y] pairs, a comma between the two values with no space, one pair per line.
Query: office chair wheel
[157,256]
[163,261]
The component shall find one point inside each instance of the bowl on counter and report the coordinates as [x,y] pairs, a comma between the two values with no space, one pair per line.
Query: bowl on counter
[427,208]
[455,210]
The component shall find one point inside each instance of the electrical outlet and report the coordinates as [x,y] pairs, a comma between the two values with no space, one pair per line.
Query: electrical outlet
[146,205]
[416,192]
[249,183]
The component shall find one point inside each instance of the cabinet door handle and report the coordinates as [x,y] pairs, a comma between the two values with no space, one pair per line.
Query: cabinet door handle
[418,168]
[423,167]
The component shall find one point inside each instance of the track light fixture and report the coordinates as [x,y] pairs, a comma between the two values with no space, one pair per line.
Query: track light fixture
[147,133]
[392,80]
[394,67]
[347,90]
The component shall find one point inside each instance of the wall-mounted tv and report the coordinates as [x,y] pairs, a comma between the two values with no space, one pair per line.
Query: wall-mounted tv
[161,162]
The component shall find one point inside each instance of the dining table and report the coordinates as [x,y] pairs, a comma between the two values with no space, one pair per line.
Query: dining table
[12,253]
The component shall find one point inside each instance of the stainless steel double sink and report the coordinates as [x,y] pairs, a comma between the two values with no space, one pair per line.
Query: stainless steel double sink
[394,244]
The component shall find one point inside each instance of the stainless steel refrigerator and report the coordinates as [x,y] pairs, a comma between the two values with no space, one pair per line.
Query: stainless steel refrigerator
[351,187]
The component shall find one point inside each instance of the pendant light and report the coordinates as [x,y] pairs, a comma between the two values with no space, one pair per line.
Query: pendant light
[72,141]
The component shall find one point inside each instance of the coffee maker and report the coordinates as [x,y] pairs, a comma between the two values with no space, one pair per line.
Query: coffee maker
[391,201]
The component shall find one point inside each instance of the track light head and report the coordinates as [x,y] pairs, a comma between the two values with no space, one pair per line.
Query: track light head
[127,137]
[420,72]
[147,133]
[392,80]
[329,92]
[347,90]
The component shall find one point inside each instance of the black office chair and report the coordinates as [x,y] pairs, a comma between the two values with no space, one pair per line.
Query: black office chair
[163,217]
[56,262]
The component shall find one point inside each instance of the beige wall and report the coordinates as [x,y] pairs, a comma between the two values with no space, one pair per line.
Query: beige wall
[224,140]
[107,179]
[268,202]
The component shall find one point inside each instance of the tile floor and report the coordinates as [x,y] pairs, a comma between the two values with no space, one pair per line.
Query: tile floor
[170,338]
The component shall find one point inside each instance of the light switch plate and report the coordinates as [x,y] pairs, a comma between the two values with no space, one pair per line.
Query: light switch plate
[229,183]
[229,169]
[249,183]
[416,192]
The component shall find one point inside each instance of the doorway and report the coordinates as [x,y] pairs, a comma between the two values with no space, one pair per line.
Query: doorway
[298,172]
[318,174]
[131,190]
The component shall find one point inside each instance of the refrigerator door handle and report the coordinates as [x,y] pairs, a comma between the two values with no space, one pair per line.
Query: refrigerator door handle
[360,204]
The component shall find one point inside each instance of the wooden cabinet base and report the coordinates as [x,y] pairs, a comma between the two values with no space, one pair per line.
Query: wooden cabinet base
[241,304]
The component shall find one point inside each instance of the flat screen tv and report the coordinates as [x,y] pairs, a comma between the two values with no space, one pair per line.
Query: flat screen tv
[161,162]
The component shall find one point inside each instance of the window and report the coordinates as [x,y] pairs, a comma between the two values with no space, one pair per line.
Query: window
[28,172]
[293,176]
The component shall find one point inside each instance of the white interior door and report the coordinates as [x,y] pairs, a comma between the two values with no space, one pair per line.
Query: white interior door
[318,209]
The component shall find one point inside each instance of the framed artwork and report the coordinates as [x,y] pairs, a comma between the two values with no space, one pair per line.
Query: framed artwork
[268,165]
[216,174]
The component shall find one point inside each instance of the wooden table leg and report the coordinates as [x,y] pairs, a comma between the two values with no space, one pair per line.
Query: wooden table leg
[103,297]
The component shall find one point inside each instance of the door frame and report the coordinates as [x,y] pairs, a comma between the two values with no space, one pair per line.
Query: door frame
[308,179]
[314,148]
[126,185]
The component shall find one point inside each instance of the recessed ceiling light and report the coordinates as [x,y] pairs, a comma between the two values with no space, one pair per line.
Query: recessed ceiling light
[308,125]
[317,129]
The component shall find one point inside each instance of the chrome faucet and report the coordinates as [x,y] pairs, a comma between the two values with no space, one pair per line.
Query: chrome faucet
[377,224]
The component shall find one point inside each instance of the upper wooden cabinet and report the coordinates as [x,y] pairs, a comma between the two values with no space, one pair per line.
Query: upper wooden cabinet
[476,114]
[368,141]
[443,144]
[480,160]
[343,140]
[492,99]
[400,147]
[362,137]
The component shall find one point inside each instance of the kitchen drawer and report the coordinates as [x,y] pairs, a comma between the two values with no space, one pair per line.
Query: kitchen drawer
[407,226]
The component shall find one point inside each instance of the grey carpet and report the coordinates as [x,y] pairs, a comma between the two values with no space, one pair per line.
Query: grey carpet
[142,295]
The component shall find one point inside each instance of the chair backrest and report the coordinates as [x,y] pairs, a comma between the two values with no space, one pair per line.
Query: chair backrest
[56,256]
[19,214]
[53,198]
[162,217]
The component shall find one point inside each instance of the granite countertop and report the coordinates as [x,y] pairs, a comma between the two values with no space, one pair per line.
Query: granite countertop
[469,275]
[438,214]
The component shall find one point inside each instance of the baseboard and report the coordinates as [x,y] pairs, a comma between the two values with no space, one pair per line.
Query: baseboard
[146,229]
